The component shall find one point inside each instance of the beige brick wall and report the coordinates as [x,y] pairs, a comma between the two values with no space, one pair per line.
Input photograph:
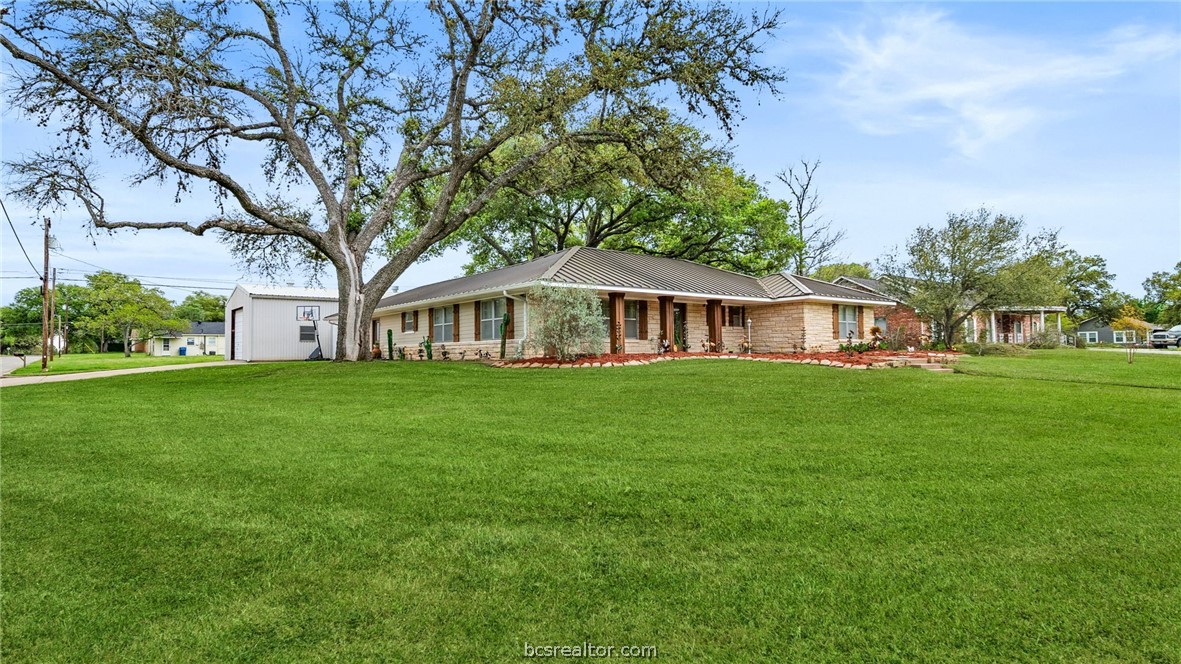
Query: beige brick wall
[788,327]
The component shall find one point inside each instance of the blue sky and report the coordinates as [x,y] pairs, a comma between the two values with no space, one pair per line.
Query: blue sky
[1067,114]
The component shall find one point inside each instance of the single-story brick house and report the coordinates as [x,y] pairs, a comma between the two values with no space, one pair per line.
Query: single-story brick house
[1095,331]
[645,298]
[1013,325]
[201,339]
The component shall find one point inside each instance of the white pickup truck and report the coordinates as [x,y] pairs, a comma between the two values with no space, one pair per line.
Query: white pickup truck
[1166,338]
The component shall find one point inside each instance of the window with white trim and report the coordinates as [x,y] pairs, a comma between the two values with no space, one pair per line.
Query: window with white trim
[491,312]
[407,321]
[847,316]
[167,344]
[631,319]
[1124,336]
[1089,337]
[190,341]
[444,320]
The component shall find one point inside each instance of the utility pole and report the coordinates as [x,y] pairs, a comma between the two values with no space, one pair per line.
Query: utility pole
[45,304]
[52,314]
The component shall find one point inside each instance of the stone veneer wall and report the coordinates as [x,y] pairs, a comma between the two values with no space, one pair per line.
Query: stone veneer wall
[777,328]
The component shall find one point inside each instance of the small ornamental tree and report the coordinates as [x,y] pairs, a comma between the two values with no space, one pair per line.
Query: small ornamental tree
[567,322]
[1129,321]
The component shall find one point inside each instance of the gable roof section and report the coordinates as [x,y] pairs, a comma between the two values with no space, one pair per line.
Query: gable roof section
[621,269]
[862,283]
[208,328]
[607,269]
[505,277]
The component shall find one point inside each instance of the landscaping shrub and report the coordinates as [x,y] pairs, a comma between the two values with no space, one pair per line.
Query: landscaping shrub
[1043,340]
[1007,350]
[567,322]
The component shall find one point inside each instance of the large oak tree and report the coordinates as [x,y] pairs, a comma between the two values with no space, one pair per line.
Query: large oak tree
[391,115]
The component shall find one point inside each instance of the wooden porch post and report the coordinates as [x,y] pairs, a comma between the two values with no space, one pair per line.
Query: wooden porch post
[666,318]
[615,322]
[994,335]
[713,321]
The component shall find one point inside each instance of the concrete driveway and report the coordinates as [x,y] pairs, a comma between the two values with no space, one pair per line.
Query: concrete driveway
[10,363]
[1150,351]
[11,381]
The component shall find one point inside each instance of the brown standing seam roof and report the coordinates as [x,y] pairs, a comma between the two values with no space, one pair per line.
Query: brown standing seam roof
[604,268]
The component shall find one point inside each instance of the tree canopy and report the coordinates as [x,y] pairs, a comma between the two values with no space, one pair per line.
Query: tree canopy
[977,260]
[678,199]
[1162,295]
[393,115]
[202,306]
[122,307]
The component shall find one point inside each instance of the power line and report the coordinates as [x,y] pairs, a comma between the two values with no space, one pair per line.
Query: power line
[18,239]
[156,276]
[143,283]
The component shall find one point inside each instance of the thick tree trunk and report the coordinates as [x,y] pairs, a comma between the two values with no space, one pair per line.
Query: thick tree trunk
[127,342]
[354,318]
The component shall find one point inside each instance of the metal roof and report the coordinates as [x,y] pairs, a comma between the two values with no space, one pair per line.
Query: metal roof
[607,269]
[289,292]
[872,285]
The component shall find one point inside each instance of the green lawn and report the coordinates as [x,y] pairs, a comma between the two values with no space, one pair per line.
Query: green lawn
[1070,365]
[721,511]
[82,362]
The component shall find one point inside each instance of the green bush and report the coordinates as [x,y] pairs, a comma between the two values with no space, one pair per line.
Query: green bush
[566,322]
[1007,350]
[1043,340]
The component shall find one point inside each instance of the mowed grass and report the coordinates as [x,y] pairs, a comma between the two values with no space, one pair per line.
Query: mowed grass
[83,362]
[1069,365]
[721,511]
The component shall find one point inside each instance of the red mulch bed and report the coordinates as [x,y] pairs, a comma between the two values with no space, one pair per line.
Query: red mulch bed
[866,358]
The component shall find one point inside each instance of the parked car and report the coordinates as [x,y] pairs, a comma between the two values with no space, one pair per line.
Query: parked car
[1166,338]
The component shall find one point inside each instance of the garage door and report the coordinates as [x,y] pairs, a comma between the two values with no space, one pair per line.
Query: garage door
[235,335]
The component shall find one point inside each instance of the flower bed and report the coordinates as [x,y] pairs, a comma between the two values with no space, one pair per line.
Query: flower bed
[875,358]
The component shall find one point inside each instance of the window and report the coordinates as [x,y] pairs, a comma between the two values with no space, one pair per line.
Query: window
[880,321]
[443,323]
[407,321]
[190,342]
[848,321]
[1124,336]
[307,332]
[307,313]
[631,319]
[167,344]
[1089,337]
[735,316]
[491,311]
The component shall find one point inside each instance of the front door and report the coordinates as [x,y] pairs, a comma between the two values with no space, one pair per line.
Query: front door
[1018,334]
[680,326]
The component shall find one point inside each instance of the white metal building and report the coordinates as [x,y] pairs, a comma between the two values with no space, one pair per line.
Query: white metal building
[267,323]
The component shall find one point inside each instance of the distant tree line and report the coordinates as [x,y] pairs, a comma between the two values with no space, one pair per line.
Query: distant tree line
[109,311]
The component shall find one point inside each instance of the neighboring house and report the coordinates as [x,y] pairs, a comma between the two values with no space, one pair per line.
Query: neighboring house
[1014,325]
[1095,331]
[201,339]
[645,299]
[266,323]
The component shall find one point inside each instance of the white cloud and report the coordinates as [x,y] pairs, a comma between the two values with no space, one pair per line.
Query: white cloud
[921,71]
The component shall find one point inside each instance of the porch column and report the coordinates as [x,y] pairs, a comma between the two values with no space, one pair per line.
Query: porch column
[1042,327]
[666,318]
[615,322]
[1059,322]
[713,321]
[993,332]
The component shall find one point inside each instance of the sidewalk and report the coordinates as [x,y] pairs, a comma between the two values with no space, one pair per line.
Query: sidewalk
[12,381]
